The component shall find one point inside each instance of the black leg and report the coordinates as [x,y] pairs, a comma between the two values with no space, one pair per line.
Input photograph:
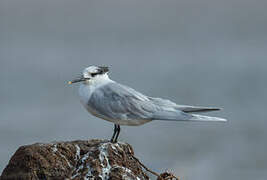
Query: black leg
[114,133]
[118,132]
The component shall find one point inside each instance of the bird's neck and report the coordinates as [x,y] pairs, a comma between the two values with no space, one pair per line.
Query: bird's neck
[88,87]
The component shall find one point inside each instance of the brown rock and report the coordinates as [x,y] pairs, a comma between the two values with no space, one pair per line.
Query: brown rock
[94,159]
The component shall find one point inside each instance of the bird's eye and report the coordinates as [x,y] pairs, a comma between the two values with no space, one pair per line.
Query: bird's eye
[93,74]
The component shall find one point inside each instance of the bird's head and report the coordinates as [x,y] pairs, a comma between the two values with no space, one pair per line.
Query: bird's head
[91,73]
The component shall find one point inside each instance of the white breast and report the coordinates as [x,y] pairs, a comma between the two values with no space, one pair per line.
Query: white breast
[85,92]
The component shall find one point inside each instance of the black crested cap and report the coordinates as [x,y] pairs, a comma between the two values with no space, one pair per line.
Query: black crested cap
[103,69]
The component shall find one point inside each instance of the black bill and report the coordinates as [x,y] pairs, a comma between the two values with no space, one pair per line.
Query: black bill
[78,80]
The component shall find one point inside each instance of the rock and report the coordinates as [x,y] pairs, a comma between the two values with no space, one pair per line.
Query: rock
[93,159]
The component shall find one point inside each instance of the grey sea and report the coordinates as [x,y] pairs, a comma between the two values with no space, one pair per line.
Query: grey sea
[195,52]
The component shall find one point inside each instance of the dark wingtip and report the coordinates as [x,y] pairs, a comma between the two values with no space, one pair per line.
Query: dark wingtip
[201,110]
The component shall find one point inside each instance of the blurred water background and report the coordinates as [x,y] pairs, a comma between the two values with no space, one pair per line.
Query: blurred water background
[199,52]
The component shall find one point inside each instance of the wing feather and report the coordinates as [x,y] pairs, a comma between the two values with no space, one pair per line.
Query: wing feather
[184,108]
[120,102]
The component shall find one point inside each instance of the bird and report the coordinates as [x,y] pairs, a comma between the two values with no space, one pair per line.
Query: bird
[122,105]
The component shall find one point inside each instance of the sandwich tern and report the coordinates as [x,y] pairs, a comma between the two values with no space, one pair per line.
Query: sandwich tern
[122,105]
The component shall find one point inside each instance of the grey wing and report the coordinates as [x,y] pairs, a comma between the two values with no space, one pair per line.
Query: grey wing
[116,101]
[184,108]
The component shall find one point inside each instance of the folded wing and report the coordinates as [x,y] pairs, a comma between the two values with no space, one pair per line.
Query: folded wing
[116,101]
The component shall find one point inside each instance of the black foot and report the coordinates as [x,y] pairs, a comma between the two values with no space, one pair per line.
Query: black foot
[116,133]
